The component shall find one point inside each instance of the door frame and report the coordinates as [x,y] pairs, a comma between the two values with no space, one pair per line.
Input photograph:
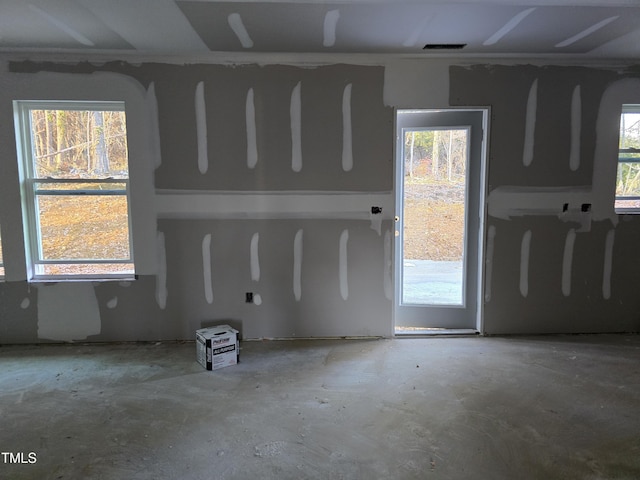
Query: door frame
[482,211]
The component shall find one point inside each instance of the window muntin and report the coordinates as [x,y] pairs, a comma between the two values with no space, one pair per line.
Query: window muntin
[628,174]
[75,187]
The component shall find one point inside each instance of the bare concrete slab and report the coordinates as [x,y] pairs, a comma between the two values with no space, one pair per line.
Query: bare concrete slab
[448,408]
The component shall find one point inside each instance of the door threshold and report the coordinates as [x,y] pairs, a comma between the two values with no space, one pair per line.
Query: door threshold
[433,332]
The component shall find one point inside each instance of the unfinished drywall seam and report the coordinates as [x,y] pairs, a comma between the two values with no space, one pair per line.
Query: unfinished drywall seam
[491,235]
[608,264]
[507,202]
[507,27]
[525,248]
[252,142]
[530,124]
[254,257]
[276,204]
[295,112]
[343,269]
[201,128]
[206,268]
[388,265]
[297,266]
[77,36]
[576,128]
[68,311]
[236,24]
[585,33]
[154,125]
[412,40]
[347,141]
[376,222]
[567,261]
[161,276]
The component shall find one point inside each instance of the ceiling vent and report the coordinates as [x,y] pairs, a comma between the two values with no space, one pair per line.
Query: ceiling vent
[444,46]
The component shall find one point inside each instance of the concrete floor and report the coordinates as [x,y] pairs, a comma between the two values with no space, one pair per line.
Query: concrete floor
[561,407]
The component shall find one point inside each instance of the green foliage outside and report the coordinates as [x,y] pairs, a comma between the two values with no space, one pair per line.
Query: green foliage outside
[628,179]
[435,156]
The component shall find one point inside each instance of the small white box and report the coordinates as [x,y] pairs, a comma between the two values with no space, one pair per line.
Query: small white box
[217,347]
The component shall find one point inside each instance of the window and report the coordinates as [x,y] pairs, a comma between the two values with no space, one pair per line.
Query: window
[1,259]
[75,189]
[628,178]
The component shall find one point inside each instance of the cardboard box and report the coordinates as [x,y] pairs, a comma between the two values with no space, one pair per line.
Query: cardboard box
[217,347]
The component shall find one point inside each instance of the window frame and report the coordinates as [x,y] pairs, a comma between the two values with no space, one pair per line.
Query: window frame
[30,191]
[2,273]
[624,158]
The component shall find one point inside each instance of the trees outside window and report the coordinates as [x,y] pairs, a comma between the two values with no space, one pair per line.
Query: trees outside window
[628,175]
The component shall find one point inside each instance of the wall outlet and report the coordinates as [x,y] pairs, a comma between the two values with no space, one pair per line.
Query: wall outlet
[248,297]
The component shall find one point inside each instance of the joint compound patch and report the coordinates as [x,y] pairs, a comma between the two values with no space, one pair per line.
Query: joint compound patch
[68,311]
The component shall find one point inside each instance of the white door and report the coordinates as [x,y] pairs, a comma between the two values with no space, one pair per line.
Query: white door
[439,164]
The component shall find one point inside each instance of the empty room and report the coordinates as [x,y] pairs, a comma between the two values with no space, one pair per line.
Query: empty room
[362,239]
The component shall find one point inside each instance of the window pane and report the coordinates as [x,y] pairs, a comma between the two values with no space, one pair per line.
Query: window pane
[630,130]
[79,144]
[628,180]
[1,258]
[83,227]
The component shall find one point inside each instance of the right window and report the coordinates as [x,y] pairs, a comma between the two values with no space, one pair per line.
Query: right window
[628,177]
[1,261]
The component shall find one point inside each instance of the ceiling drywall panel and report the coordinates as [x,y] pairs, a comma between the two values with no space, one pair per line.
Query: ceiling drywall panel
[63,24]
[148,25]
[294,28]
[586,29]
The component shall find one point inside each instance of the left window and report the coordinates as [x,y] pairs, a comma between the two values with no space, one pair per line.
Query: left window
[74,173]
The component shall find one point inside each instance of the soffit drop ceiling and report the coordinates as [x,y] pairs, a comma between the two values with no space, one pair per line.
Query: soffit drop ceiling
[581,29]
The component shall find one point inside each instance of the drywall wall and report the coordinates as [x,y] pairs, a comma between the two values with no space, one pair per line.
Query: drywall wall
[558,257]
[261,179]
[316,277]
[253,179]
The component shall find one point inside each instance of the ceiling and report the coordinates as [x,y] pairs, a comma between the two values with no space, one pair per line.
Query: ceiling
[498,28]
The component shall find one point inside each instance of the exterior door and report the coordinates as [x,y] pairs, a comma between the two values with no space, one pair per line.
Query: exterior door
[439,165]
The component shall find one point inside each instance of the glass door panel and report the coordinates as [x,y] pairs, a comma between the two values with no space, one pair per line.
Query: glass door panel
[434,212]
